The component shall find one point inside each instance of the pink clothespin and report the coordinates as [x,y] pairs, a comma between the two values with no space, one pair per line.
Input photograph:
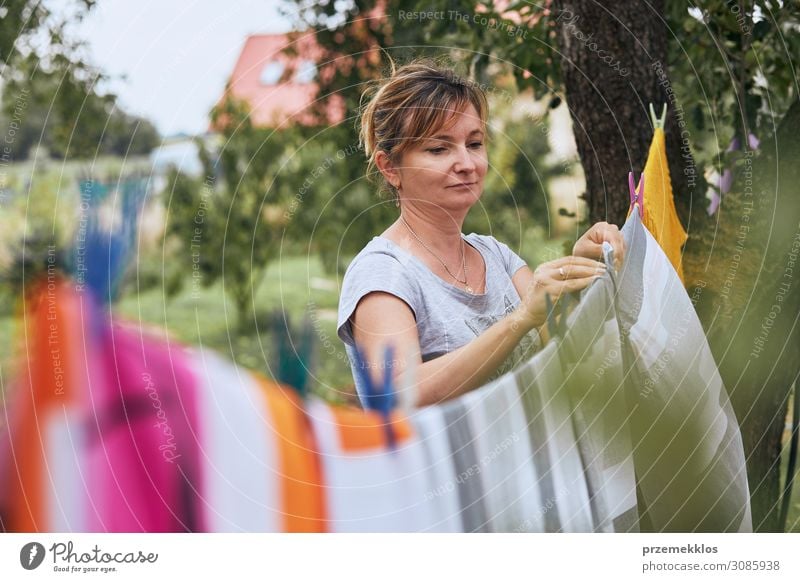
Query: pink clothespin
[637,198]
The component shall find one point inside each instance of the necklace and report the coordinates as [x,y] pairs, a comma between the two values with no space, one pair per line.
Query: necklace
[467,288]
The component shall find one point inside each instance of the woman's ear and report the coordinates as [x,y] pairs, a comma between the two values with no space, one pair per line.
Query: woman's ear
[387,168]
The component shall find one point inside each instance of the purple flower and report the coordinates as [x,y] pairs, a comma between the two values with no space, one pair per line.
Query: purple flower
[726,181]
[715,200]
[753,141]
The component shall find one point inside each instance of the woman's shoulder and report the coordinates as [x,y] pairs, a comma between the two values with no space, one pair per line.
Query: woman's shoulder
[498,250]
[380,266]
[380,253]
[486,240]
[489,243]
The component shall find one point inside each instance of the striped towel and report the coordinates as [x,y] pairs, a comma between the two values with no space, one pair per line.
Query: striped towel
[689,455]
[591,362]
[369,486]
[42,476]
[517,467]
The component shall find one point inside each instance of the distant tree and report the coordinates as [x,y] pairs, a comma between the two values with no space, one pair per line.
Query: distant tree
[27,25]
[229,224]
[129,135]
[184,200]
[55,105]
[49,91]
[329,207]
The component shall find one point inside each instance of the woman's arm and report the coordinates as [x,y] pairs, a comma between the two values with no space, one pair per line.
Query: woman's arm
[381,319]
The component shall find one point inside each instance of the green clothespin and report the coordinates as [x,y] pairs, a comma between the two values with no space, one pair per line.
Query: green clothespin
[292,352]
[656,121]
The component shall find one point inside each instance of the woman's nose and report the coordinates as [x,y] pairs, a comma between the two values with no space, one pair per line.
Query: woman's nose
[464,160]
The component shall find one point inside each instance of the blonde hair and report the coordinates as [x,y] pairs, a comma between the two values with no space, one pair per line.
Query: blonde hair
[411,104]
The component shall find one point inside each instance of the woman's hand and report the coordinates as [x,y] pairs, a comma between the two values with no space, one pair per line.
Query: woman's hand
[590,245]
[555,278]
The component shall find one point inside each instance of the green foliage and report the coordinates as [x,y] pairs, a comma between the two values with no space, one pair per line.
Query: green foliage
[25,20]
[49,92]
[330,207]
[128,135]
[476,37]
[229,230]
[40,222]
[55,104]
[729,63]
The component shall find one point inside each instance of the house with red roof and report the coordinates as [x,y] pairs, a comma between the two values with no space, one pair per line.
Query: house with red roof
[280,86]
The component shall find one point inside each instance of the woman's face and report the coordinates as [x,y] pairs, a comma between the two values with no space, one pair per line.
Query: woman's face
[448,168]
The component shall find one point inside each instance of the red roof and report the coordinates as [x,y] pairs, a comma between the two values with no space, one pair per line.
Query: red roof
[273,82]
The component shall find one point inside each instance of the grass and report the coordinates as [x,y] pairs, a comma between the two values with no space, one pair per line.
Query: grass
[297,286]
[793,517]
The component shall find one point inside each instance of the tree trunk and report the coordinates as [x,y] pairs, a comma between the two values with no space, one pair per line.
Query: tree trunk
[243,304]
[614,66]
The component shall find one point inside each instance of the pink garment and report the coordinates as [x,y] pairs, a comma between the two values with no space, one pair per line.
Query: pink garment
[143,454]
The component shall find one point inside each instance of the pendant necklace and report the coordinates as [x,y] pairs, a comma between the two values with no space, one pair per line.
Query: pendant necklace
[466,285]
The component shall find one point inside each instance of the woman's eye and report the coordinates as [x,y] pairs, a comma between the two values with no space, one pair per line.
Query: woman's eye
[436,150]
[476,145]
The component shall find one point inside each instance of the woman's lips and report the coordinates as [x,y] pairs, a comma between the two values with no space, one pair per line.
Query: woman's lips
[463,185]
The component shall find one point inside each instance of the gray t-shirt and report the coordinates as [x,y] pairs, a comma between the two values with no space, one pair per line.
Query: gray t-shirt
[447,316]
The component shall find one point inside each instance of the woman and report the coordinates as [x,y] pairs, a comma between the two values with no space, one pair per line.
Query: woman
[459,310]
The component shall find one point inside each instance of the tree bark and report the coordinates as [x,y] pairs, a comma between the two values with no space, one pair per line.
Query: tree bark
[614,65]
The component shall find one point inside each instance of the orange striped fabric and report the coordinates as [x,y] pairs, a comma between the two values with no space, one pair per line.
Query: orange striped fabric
[300,474]
[365,429]
[49,380]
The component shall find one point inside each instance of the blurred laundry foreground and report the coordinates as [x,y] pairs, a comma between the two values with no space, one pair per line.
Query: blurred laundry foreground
[621,423]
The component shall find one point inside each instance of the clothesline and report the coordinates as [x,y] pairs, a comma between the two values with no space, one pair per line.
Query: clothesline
[621,424]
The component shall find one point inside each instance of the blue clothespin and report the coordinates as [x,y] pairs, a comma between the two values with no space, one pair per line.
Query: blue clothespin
[101,253]
[637,197]
[381,399]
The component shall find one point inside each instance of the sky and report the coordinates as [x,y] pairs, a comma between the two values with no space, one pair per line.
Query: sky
[170,59]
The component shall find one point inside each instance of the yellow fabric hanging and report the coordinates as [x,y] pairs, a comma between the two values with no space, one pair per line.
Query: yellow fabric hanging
[660,216]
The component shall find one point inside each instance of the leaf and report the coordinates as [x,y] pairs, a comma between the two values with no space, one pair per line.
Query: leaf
[698,119]
[761,29]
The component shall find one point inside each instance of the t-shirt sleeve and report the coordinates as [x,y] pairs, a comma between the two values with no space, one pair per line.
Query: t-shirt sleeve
[367,274]
[511,260]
